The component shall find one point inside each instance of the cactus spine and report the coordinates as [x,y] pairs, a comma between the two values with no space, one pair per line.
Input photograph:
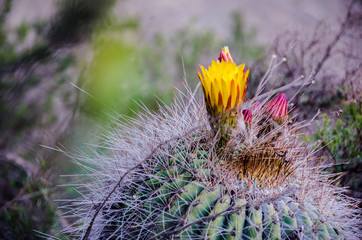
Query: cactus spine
[215,172]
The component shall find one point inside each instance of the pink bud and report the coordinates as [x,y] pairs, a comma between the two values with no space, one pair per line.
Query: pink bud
[278,107]
[247,115]
[225,55]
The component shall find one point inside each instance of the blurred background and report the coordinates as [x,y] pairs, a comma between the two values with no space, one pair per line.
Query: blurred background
[68,68]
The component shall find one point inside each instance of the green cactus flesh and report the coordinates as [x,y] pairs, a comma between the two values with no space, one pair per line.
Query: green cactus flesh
[177,199]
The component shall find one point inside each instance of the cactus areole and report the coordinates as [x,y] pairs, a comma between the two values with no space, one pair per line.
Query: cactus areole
[229,169]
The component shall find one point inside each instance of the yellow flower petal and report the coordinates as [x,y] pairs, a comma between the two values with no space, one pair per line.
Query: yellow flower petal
[224,83]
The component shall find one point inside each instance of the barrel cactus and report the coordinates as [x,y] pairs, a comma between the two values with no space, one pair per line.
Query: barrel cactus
[223,168]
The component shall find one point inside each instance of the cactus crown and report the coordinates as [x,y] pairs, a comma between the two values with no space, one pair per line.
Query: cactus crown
[261,154]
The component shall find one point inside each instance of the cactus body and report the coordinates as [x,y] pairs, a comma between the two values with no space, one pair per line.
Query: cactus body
[178,203]
[212,172]
[190,190]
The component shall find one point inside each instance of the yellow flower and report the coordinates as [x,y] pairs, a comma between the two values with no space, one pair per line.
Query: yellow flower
[223,83]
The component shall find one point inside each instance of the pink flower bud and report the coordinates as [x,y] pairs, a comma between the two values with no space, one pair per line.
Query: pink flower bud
[278,107]
[225,56]
[247,115]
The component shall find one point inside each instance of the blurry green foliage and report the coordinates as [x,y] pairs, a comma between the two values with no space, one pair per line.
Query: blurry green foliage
[154,60]
[28,69]
[343,141]
[243,42]
[114,77]
[75,20]
[67,62]
[30,212]
[191,46]
[22,31]
[122,74]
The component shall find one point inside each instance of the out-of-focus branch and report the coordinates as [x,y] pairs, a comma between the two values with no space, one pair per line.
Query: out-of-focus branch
[332,44]
[28,59]
[72,23]
[30,168]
